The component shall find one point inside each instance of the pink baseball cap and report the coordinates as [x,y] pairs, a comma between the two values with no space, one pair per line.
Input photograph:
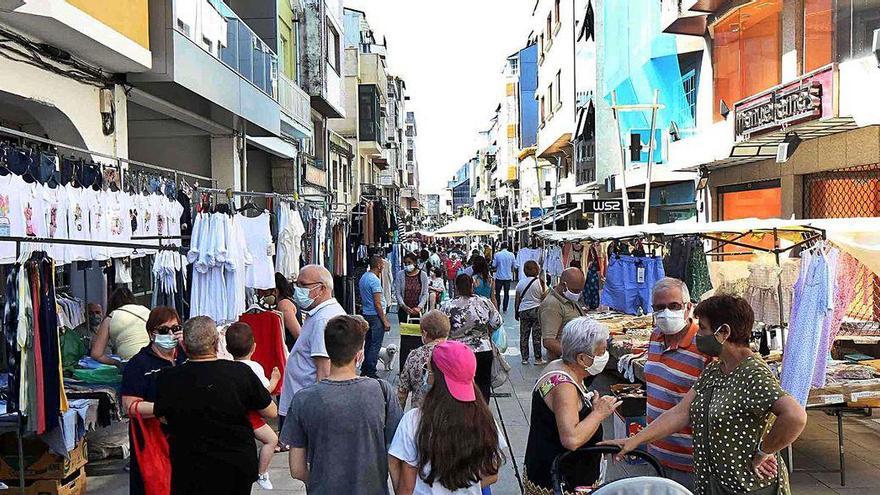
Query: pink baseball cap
[458,364]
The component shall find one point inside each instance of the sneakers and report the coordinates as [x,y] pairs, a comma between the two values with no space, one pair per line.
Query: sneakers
[263,481]
[540,362]
[525,362]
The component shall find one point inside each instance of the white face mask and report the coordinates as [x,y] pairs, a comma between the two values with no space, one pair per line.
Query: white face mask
[670,322]
[599,363]
[572,296]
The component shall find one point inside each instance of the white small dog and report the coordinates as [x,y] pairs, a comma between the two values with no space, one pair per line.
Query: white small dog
[386,356]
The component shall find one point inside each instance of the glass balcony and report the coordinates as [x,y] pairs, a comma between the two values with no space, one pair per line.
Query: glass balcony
[294,101]
[216,28]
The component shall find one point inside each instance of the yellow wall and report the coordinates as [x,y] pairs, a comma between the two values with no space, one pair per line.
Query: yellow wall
[129,17]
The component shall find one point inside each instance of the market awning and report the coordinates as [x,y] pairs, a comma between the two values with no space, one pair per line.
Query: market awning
[465,226]
[274,145]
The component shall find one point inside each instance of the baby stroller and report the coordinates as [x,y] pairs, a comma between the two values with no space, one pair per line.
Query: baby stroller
[566,464]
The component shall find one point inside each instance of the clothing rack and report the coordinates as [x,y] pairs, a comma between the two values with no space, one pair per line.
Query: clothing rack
[19,430]
[117,159]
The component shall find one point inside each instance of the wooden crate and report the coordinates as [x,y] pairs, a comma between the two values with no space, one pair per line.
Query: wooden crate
[39,462]
[75,484]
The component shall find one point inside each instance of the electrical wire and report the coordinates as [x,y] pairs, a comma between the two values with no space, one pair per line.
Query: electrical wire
[20,49]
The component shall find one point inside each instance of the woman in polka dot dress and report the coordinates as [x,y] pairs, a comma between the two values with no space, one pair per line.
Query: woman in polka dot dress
[740,416]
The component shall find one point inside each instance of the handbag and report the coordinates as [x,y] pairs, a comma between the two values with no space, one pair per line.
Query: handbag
[500,368]
[152,455]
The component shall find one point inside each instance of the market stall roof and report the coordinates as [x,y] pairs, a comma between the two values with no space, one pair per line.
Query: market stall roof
[466,226]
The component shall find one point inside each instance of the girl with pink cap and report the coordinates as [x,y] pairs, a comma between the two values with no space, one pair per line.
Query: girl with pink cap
[451,445]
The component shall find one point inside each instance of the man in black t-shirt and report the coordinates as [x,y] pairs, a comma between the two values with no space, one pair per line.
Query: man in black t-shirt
[205,402]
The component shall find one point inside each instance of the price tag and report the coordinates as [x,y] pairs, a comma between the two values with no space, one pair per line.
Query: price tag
[640,275]
[868,394]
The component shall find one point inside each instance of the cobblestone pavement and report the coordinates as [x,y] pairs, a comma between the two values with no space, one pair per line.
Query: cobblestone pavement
[814,453]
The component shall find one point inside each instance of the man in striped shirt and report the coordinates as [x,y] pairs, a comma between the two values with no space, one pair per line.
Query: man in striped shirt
[673,366]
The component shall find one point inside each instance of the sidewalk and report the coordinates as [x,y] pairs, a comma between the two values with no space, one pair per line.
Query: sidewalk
[815,450]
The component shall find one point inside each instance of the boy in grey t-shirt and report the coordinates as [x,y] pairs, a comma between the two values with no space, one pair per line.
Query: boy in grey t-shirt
[339,429]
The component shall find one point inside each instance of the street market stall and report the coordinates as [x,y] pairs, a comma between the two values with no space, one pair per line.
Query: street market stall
[467,226]
[765,261]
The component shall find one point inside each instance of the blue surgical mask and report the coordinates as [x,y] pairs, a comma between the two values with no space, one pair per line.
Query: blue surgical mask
[166,342]
[301,298]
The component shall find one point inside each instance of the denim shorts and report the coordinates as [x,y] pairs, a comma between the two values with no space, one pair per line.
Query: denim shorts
[19,161]
[624,289]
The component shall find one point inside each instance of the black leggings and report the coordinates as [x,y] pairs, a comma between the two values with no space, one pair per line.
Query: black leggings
[483,377]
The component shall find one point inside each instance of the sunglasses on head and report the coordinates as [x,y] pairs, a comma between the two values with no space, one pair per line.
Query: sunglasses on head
[165,330]
[673,306]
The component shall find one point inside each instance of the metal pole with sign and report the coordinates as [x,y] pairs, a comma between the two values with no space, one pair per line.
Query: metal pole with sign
[616,109]
[651,145]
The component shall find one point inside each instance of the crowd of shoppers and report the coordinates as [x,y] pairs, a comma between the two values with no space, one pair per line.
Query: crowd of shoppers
[717,417]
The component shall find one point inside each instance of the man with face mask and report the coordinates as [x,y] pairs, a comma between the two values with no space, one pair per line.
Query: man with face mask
[308,362]
[674,364]
[88,329]
[560,306]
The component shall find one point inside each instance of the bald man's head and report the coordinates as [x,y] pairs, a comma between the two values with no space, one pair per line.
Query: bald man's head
[571,279]
[318,281]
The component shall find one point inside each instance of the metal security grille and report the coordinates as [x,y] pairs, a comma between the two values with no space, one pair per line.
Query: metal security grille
[846,193]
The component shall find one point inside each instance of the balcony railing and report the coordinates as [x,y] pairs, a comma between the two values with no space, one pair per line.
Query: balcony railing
[294,101]
[216,28]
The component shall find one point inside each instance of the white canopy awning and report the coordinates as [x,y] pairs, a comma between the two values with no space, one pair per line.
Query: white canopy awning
[466,226]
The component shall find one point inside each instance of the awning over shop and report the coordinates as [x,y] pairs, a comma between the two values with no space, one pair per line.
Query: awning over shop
[274,145]
[765,147]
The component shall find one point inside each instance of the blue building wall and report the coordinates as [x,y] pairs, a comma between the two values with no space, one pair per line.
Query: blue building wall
[461,195]
[638,59]
[528,106]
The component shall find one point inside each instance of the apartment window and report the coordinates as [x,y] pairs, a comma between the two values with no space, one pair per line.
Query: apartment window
[550,104]
[747,54]
[559,87]
[856,22]
[514,65]
[333,47]
[543,112]
[689,85]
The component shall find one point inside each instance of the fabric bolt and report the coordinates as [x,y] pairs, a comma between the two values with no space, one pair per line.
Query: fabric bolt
[268,329]
[405,447]
[730,415]
[670,373]
[813,302]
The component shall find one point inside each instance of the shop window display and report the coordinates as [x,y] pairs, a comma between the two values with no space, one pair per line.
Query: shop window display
[747,52]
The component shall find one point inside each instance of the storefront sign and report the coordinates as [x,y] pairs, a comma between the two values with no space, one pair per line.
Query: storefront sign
[806,99]
[602,206]
[562,199]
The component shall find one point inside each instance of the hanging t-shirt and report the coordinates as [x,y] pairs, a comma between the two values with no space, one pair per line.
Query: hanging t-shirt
[56,202]
[261,274]
[78,215]
[11,218]
[99,223]
[118,222]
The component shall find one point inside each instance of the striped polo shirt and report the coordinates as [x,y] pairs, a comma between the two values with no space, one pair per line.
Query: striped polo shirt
[670,373]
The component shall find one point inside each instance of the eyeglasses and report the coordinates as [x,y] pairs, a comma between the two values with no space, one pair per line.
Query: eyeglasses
[168,330]
[673,306]
[308,285]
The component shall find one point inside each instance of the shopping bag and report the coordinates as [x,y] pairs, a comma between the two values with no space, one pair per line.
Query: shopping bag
[152,455]
[499,338]
[500,368]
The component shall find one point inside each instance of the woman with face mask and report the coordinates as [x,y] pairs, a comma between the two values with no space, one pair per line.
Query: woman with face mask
[411,289]
[139,376]
[730,408]
[564,415]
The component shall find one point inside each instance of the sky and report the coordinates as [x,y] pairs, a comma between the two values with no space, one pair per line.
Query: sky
[450,54]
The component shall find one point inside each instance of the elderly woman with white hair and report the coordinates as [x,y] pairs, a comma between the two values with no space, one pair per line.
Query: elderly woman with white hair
[564,415]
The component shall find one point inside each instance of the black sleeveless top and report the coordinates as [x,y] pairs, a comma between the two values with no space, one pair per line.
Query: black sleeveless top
[545,445]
